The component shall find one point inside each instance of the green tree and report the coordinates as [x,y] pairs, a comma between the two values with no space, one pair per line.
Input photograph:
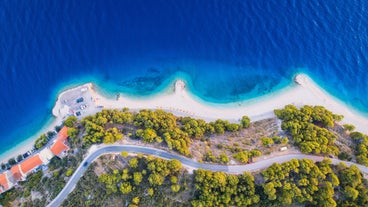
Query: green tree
[135,200]
[309,128]
[232,127]
[150,191]
[19,158]
[276,139]
[72,132]
[284,140]
[133,163]
[12,161]
[175,188]
[70,121]
[242,156]
[245,122]
[69,172]
[255,153]
[40,141]
[155,179]
[126,175]
[266,141]
[112,135]
[173,179]
[174,165]
[351,192]
[361,149]
[349,127]
[270,190]
[223,158]
[137,178]
[124,154]
[148,135]
[126,188]
[209,157]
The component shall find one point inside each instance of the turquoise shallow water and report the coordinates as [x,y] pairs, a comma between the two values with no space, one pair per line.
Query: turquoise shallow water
[228,51]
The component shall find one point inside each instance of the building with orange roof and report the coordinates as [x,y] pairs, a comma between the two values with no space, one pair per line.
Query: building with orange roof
[58,148]
[16,173]
[63,134]
[19,172]
[4,186]
[29,164]
[6,181]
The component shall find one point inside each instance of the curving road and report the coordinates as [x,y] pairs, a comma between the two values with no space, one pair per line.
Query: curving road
[97,151]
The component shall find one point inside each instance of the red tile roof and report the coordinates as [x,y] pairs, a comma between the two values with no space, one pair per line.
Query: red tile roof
[58,147]
[30,164]
[63,134]
[3,182]
[15,170]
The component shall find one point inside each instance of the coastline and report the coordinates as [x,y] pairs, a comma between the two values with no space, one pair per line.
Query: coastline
[183,103]
[177,99]
[27,144]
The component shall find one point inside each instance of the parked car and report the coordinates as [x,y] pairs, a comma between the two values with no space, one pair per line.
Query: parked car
[80,100]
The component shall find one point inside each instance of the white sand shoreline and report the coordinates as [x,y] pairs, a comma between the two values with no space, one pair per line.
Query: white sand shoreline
[182,103]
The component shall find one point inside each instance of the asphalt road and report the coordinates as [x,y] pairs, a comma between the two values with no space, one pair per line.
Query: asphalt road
[103,149]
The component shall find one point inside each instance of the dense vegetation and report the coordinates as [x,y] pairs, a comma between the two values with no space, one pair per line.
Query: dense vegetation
[300,182]
[152,177]
[158,182]
[244,156]
[320,184]
[70,121]
[220,189]
[152,181]
[308,126]
[349,127]
[152,126]
[221,158]
[43,139]
[361,151]
[40,141]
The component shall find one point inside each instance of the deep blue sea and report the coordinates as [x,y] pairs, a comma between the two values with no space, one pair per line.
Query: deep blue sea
[229,50]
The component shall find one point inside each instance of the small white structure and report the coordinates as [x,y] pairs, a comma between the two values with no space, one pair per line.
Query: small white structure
[283,149]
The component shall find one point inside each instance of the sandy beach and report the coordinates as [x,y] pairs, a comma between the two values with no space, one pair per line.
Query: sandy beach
[178,100]
[181,102]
